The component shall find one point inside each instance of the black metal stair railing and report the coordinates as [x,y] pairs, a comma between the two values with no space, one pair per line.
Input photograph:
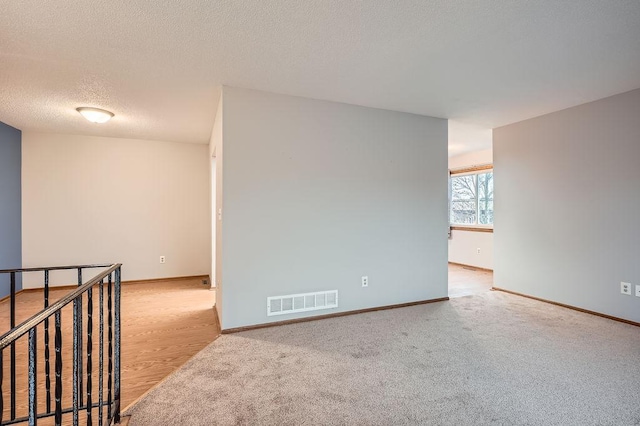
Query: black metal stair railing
[82,393]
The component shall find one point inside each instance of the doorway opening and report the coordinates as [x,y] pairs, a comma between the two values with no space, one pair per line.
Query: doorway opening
[470,230]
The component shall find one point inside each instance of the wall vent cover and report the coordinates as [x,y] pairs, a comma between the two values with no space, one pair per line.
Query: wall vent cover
[304,302]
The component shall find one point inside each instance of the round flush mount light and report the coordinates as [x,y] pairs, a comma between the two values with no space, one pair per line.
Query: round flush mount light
[95,115]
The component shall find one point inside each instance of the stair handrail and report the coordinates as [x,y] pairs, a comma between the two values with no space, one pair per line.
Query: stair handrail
[22,329]
[112,274]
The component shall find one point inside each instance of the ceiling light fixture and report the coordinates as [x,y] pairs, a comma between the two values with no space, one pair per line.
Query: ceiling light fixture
[95,115]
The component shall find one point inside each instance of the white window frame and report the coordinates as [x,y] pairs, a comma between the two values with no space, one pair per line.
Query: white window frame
[453,174]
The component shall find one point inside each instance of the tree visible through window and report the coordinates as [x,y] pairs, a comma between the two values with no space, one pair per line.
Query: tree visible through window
[472,199]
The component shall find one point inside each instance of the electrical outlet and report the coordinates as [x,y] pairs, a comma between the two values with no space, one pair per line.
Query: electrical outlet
[365,281]
[637,290]
[478,250]
[162,259]
[625,288]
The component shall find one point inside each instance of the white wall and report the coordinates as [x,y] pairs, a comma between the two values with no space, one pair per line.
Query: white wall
[464,245]
[94,200]
[318,194]
[567,202]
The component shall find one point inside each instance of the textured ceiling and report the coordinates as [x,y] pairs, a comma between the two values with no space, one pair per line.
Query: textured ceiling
[158,65]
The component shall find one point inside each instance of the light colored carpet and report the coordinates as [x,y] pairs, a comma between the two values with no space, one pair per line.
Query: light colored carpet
[491,358]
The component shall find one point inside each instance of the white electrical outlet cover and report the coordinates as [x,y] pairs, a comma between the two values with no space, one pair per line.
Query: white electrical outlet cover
[637,290]
[625,288]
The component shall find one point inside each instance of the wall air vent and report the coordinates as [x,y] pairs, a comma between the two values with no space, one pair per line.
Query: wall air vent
[294,303]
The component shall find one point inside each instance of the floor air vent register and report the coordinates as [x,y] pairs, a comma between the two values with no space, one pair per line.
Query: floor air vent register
[294,303]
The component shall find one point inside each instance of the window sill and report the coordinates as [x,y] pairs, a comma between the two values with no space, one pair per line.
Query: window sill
[471,229]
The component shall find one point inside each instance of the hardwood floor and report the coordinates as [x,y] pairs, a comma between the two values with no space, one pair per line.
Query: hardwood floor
[164,323]
[464,281]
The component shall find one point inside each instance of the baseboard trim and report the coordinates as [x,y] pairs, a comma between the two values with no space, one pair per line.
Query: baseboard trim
[8,296]
[37,289]
[74,286]
[51,288]
[475,268]
[575,308]
[152,280]
[334,315]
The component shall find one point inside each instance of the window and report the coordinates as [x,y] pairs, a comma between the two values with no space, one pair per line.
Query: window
[472,199]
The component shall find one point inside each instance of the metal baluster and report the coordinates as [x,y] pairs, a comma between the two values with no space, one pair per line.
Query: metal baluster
[77,319]
[47,367]
[58,347]
[117,348]
[110,350]
[113,404]
[100,354]
[80,375]
[13,347]
[89,351]
[33,371]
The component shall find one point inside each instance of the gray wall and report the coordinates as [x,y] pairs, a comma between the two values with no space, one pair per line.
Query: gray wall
[318,194]
[567,209]
[10,204]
